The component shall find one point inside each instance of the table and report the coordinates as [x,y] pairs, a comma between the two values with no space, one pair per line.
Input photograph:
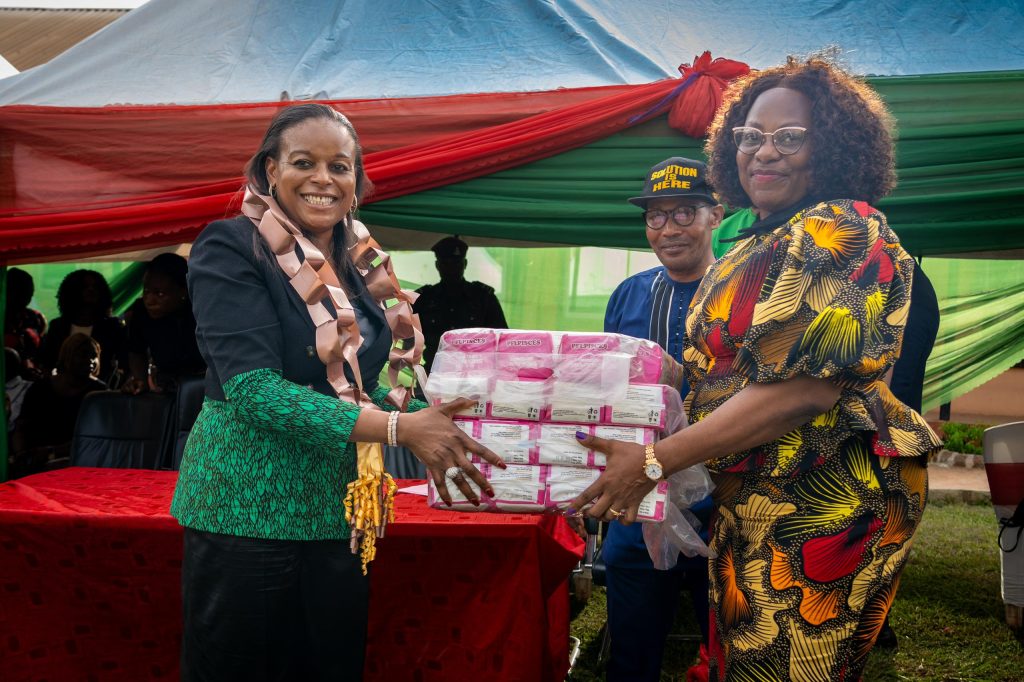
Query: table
[90,564]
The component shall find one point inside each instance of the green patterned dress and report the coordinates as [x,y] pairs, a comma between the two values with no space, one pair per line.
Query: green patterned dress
[272,461]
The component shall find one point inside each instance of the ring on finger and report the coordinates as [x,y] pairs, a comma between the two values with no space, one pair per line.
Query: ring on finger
[452,473]
[615,512]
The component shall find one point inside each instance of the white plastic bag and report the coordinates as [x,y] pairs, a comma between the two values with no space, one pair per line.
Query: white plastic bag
[678,533]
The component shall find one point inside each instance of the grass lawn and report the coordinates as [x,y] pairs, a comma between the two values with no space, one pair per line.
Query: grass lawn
[948,614]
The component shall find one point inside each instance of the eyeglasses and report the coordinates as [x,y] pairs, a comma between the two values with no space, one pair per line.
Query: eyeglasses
[681,216]
[786,140]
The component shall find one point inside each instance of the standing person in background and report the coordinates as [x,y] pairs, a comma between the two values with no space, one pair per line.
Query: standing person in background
[680,214]
[820,485]
[162,344]
[291,322]
[23,326]
[84,302]
[454,303]
[907,381]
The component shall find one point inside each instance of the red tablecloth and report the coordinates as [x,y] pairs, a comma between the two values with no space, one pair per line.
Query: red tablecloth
[90,565]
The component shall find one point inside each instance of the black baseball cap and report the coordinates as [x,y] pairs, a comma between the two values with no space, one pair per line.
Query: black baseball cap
[676,177]
[450,247]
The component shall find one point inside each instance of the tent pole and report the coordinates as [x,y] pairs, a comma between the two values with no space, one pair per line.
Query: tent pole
[3,366]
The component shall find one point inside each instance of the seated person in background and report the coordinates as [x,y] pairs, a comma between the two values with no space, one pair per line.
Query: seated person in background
[46,424]
[162,330]
[16,385]
[84,302]
[454,303]
[23,326]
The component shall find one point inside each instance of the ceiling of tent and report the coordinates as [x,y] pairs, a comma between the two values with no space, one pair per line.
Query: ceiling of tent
[266,50]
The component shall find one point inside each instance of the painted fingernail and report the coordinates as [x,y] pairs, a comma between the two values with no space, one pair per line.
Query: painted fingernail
[501,463]
[570,512]
[580,435]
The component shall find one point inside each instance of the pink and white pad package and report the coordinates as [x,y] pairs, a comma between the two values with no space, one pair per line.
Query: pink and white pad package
[535,389]
[566,377]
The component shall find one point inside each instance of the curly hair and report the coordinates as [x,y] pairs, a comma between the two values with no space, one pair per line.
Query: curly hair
[851,131]
[69,293]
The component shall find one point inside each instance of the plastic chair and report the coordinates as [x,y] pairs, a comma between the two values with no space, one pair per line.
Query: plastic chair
[188,401]
[122,431]
[1004,465]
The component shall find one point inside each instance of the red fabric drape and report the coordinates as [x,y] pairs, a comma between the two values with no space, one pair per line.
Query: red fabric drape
[693,110]
[88,181]
[90,582]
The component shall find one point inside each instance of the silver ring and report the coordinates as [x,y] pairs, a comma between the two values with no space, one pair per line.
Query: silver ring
[452,473]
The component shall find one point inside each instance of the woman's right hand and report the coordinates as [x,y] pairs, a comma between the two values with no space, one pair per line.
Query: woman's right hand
[440,445]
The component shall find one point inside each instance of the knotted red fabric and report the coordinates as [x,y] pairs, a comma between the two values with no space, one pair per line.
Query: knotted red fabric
[695,107]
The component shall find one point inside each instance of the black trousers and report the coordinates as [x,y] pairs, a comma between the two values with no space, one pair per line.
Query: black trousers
[271,610]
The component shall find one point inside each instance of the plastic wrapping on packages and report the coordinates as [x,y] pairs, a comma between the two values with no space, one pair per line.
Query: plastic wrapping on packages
[678,531]
[654,405]
[519,400]
[513,441]
[519,488]
[558,445]
[524,356]
[444,388]
[520,354]
[565,483]
[459,501]
[535,390]
[631,434]
[653,506]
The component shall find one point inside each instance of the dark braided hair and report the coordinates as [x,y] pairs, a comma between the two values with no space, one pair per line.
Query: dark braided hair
[851,131]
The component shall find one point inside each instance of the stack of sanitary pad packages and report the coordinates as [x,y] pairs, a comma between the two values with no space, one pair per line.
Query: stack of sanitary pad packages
[534,390]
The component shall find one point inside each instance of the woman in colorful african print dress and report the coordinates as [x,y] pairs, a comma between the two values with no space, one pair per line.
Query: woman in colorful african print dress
[821,482]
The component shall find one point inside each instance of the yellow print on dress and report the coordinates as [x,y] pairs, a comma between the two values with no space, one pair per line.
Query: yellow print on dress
[672,175]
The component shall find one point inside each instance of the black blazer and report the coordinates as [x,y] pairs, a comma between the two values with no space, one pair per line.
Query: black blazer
[249,317]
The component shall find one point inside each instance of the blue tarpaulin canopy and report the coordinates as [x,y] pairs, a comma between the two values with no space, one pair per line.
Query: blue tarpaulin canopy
[175,52]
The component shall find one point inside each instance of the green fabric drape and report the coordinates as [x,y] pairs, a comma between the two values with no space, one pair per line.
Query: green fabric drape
[981,324]
[960,159]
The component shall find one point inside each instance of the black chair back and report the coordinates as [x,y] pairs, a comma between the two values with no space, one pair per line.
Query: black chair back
[191,391]
[122,431]
[401,463]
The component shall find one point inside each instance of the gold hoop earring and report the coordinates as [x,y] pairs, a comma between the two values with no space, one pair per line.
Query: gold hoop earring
[355,206]
[273,191]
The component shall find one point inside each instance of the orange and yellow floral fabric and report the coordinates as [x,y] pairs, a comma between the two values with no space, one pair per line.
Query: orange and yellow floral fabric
[826,294]
[812,529]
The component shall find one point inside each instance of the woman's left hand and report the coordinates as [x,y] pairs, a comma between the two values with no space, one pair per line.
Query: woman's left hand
[620,489]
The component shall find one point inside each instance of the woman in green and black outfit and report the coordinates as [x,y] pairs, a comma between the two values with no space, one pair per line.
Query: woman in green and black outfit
[270,587]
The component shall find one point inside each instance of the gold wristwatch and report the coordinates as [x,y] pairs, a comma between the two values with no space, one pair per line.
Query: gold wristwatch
[652,467]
